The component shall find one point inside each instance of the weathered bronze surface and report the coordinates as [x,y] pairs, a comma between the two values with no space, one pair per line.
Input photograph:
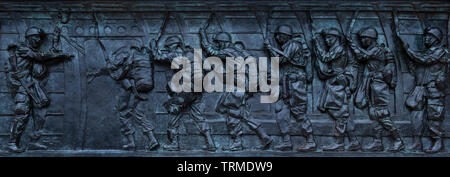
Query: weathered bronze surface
[92,78]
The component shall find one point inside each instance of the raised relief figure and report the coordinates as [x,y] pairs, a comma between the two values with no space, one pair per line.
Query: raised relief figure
[294,60]
[373,92]
[235,105]
[182,102]
[332,65]
[27,73]
[427,99]
[131,67]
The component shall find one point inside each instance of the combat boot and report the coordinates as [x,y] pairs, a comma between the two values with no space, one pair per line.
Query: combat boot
[436,146]
[286,145]
[398,144]
[417,144]
[266,140]
[236,145]
[210,146]
[12,147]
[376,145]
[173,141]
[354,144]
[152,142]
[310,144]
[337,146]
[131,145]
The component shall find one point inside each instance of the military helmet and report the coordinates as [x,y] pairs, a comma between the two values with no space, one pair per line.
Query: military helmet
[332,31]
[284,29]
[368,32]
[173,40]
[436,32]
[34,31]
[223,36]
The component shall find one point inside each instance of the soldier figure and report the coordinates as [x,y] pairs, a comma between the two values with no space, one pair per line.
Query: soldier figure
[294,59]
[333,67]
[27,73]
[234,104]
[373,92]
[427,97]
[132,69]
[184,101]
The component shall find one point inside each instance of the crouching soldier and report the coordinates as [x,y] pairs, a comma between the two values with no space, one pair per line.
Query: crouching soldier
[132,69]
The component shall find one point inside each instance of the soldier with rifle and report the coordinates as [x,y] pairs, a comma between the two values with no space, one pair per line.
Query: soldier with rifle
[26,71]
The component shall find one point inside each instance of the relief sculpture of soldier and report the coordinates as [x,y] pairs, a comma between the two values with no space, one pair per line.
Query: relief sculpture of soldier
[233,104]
[183,102]
[426,100]
[332,65]
[294,59]
[373,92]
[237,109]
[131,67]
[27,71]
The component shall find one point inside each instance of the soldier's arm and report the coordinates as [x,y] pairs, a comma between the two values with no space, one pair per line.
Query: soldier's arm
[27,53]
[422,58]
[362,54]
[330,55]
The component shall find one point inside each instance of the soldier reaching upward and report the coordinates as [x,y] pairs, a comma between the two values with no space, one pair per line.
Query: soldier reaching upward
[294,59]
[333,67]
[182,102]
[427,97]
[374,89]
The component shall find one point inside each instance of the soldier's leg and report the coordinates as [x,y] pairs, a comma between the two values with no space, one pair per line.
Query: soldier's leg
[283,121]
[172,132]
[234,127]
[355,145]
[386,122]
[417,124]
[306,127]
[377,143]
[340,118]
[38,118]
[22,114]
[435,110]
[195,113]
[255,126]
[125,114]
[146,125]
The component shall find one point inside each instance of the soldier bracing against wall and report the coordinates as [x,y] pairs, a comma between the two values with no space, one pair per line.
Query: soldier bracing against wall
[27,71]
[333,67]
[427,99]
[294,60]
[132,69]
[373,92]
[183,102]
